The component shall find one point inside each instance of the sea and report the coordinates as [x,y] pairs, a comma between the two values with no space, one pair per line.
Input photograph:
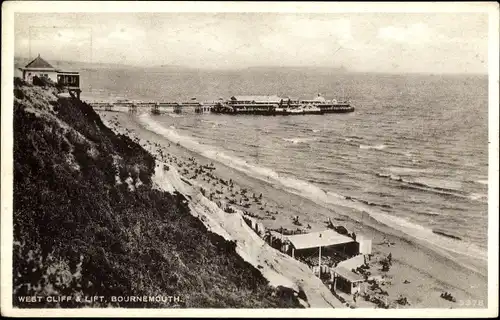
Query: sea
[413,155]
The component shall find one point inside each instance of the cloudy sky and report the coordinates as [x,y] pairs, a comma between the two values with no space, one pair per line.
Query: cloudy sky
[384,42]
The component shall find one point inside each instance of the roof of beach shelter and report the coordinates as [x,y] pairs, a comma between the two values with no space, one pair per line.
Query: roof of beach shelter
[318,239]
[256,98]
[39,63]
[349,275]
[352,263]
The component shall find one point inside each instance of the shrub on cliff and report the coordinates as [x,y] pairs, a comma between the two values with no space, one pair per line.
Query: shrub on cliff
[42,81]
[78,232]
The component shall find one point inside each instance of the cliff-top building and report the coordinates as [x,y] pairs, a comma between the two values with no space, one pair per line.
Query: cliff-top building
[38,67]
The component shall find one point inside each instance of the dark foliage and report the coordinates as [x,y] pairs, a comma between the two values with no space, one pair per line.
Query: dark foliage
[42,81]
[79,232]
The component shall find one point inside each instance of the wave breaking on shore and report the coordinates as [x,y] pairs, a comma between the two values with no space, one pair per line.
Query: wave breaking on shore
[438,243]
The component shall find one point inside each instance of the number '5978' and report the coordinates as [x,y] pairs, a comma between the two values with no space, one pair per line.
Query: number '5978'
[471,303]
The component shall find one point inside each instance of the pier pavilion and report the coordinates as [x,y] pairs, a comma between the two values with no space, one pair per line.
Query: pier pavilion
[252,104]
[236,100]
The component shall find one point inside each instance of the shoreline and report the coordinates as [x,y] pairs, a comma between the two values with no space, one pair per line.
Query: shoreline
[413,262]
[470,254]
[355,212]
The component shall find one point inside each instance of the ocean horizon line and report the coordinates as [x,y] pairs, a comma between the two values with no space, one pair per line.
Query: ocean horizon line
[305,68]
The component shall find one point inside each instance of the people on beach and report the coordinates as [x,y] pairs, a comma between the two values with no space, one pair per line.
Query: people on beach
[448,296]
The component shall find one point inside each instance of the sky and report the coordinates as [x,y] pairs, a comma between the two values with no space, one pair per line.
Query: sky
[373,42]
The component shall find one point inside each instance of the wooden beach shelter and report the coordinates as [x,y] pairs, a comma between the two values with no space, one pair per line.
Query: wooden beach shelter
[328,240]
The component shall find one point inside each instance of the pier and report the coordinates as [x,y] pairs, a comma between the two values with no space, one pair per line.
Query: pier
[154,107]
[236,105]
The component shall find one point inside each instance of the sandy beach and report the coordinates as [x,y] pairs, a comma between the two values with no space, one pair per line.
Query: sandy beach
[418,273]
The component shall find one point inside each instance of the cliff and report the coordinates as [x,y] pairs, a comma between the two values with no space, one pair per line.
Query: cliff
[87,221]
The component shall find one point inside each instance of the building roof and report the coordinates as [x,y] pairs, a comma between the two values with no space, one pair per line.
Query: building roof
[318,239]
[68,72]
[348,275]
[39,63]
[258,98]
[319,98]
[352,263]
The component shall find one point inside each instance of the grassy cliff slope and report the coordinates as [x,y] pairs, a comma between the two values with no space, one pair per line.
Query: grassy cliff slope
[88,223]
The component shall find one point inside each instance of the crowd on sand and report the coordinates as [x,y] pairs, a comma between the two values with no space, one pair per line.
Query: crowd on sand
[228,195]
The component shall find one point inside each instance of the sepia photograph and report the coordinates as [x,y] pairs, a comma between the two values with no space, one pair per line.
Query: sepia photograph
[259,159]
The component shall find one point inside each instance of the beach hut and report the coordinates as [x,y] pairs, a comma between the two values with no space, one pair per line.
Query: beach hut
[317,270]
[247,220]
[347,281]
[253,224]
[285,246]
[260,228]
